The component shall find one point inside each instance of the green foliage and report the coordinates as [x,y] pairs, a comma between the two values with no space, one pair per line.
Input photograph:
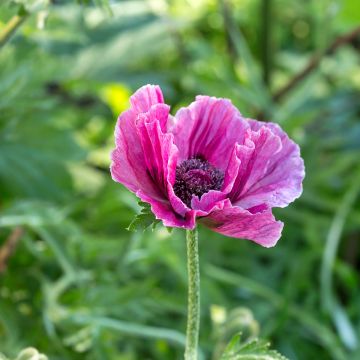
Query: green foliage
[254,349]
[144,219]
[77,284]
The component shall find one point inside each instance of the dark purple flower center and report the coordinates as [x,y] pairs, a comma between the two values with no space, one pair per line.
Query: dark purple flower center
[196,177]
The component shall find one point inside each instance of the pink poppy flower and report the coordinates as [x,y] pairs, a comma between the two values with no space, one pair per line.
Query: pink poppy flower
[207,163]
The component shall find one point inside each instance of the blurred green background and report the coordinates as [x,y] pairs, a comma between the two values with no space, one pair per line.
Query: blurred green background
[73,282]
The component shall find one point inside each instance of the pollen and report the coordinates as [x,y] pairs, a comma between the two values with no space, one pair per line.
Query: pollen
[196,176]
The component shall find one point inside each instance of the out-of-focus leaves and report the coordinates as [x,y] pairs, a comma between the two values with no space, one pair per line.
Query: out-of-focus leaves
[34,150]
[31,213]
[132,329]
[349,14]
[30,173]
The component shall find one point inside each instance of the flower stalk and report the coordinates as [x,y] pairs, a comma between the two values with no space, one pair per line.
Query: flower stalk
[193,319]
[10,28]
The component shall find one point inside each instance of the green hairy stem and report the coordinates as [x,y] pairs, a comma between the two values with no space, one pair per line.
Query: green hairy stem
[193,320]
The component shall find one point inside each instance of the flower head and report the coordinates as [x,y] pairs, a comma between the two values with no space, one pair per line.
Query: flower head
[207,163]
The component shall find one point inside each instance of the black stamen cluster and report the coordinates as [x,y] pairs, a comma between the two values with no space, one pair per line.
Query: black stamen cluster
[196,177]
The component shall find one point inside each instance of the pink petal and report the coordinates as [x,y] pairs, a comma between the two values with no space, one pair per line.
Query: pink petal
[261,227]
[208,201]
[128,157]
[232,170]
[164,211]
[157,149]
[161,157]
[208,127]
[145,97]
[271,170]
[145,158]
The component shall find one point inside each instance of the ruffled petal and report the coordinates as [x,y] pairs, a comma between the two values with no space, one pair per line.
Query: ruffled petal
[157,146]
[260,227]
[127,166]
[271,170]
[128,157]
[209,127]
[232,170]
[208,201]
[161,161]
[145,97]
[163,210]
[145,157]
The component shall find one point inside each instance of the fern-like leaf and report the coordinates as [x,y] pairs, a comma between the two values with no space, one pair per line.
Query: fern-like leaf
[254,349]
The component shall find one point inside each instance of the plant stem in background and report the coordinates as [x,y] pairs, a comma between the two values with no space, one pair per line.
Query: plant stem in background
[10,28]
[266,17]
[9,247]
[193,320]
[315,62]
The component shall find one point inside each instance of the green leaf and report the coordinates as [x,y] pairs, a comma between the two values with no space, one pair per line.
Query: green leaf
[144,219]
[255,349]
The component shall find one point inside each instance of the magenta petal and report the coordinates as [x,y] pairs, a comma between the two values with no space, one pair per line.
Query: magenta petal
[148,95]
[128,157]
[157,149]
[261,228]
[286,170]
[127,165]
[164,211]
[157,112]
[271,170]
[207,202]
[160,153]
[254,155]
[145,158]
[148,176]
[177,204]
[208,127]
[232,170]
